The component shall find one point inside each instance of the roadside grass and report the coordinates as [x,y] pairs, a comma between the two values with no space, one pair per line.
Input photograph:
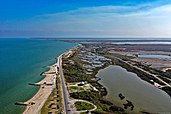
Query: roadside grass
[60,92]
[77,88]
[83,106]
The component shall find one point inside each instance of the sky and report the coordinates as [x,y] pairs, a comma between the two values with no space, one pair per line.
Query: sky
[85,18]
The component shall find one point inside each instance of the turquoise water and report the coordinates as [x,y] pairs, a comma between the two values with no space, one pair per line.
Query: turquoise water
[21,62]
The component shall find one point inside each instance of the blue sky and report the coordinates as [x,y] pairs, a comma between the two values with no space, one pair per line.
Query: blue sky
[85,18]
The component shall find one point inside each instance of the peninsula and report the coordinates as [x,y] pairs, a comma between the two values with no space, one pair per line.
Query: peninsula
[72,86]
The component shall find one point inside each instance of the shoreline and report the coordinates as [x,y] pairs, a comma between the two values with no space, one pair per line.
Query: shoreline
[31,108]
[46,86]
[116,62]
[26,70]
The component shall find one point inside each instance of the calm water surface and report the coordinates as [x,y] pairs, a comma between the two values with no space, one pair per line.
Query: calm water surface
[147,42]
[21,62]
[155,56]
[143,95]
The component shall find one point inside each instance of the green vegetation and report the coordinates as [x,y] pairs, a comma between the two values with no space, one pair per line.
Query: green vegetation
[83,106]
[76,87]
[84,113]
[75,72]
[103,105]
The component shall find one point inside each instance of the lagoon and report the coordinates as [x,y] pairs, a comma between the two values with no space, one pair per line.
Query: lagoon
[144,96]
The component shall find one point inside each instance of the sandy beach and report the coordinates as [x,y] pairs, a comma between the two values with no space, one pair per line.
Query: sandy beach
[34,105]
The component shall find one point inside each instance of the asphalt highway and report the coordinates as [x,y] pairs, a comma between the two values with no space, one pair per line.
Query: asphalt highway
[67,109]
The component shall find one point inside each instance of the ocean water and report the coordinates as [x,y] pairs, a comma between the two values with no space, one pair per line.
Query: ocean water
[21,62]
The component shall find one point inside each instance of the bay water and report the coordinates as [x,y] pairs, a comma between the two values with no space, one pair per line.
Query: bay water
[21,62]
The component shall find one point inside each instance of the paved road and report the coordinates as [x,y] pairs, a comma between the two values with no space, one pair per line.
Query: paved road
[67,109]
[155,76]
[64,88]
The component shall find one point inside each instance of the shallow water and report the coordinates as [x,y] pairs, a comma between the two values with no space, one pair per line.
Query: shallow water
[21,62]
[143,95]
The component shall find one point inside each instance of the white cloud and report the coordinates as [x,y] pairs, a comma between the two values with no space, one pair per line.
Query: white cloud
[110,21]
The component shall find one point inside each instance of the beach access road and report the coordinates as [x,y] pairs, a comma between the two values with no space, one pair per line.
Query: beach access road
[65,94]
[155,76]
